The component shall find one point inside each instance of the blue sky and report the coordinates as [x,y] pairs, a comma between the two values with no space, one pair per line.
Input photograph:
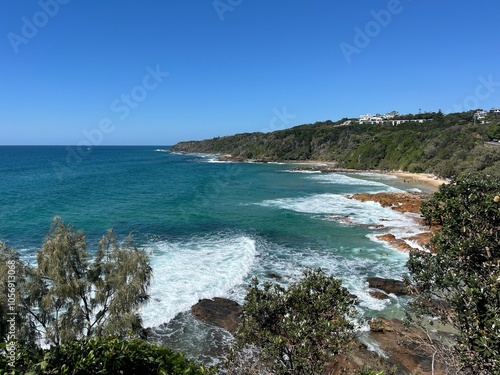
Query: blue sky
[156,72]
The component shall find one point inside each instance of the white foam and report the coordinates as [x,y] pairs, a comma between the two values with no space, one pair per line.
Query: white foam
[216,160]
[352,266]
[342,179]
[300,171]
[340,208]
[209,158]
[368,262]
[378,176]
[185,272]
[415,190]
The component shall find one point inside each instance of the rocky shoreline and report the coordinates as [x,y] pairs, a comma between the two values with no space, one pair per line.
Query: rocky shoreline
[407,203]
[407,350]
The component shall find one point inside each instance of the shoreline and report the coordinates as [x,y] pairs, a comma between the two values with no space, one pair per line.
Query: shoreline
[428,179]
[420,178]
[425,179]
[407,202]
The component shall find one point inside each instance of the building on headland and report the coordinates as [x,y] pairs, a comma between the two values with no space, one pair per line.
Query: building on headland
[388,118]
[480,114]
[495,110]
[366,117]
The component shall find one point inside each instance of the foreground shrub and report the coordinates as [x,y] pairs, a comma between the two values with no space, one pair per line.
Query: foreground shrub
[297,330]
[461,282]
[104,356]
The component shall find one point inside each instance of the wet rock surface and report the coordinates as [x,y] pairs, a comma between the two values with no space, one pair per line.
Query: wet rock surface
[389,286]
[221,312]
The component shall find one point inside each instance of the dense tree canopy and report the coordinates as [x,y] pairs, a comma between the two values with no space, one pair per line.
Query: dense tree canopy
[460,283]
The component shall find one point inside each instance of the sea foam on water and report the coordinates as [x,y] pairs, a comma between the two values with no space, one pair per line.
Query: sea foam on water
[185,272]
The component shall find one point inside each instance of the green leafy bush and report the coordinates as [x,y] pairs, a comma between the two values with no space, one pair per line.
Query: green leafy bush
[460,283]
[297,330]
[109,355]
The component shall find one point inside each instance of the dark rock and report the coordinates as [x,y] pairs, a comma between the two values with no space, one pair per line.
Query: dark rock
[220,312]
[147,333]
[378,294]
[396,287]
[274,276]
[231,158]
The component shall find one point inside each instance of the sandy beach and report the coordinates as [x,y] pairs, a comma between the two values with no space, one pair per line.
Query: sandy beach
[414,178]
[420,178]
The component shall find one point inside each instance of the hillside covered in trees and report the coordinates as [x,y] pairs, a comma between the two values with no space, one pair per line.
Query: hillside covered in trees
[448,145]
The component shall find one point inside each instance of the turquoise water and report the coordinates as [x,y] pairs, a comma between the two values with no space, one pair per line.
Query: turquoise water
[210,226]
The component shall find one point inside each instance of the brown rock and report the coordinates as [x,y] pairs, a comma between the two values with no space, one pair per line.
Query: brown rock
[410,348]
[356,357]
[421,238]
[220,312]
[398,243]
[396,287]
[401,202]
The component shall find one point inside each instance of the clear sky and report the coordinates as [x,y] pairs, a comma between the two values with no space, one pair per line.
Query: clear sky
[155,72]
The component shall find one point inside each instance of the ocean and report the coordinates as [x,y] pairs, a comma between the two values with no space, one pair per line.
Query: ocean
[210,226]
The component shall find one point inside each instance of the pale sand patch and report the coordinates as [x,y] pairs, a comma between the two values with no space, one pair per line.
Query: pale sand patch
[420,178]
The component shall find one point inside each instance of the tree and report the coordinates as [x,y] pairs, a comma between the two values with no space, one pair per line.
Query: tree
[297,330]
[460,283]
[68,296]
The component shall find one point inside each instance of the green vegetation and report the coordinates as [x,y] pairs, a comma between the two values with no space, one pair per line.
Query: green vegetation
[461,282]
[107,355]
[297,330]
[450,145]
